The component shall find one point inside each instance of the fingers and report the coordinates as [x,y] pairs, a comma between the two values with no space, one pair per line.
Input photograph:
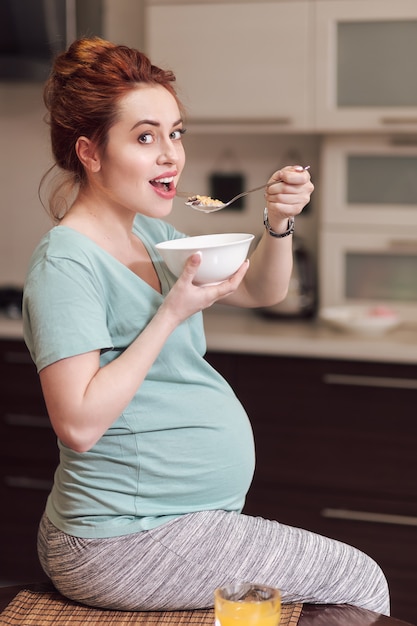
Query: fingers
[292,175]
[291,193]
[186,298]
[220,289]
[191,266]
[212,292]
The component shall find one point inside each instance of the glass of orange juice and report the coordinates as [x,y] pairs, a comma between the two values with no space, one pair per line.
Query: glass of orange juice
[247,604]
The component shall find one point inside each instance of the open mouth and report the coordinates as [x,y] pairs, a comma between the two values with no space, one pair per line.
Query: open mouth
[167,184]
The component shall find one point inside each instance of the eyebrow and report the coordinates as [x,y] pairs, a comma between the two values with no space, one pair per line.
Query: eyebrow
[153,123]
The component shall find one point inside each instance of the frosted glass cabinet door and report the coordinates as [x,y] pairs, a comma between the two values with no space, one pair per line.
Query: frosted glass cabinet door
[369,180]
[366,55]
[237,61]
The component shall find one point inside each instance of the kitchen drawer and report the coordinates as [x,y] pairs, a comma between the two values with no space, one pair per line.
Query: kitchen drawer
[17,371]
[26,434]
[14,352]
[384,529]
[330,424]
[14,403]
[24,490]
[367,454]
[19,561]
[25,430]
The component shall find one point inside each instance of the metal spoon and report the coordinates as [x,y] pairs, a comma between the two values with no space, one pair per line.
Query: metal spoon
[210,206]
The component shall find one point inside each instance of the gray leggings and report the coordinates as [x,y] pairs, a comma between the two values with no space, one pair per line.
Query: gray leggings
[179,564]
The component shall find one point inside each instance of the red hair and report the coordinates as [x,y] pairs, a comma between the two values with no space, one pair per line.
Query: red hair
[82,95]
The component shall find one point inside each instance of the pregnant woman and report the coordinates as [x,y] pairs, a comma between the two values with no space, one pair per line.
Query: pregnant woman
[156,451]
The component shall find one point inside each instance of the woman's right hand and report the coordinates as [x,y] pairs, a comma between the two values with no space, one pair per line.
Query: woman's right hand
[186,298]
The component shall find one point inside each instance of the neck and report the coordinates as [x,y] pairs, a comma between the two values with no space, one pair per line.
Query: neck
[105,221]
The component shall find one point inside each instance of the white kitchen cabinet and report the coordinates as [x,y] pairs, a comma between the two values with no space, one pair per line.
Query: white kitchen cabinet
[291,65]
[365,60]
[237,62]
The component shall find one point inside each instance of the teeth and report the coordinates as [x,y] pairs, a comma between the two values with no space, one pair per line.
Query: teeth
[165,180]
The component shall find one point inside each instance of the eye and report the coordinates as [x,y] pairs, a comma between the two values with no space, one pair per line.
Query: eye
[177,134]
[145,138]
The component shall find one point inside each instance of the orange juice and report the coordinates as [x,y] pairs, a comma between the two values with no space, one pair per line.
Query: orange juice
[256,605]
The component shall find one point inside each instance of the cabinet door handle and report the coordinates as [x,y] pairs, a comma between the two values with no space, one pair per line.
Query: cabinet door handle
[366,516]
[247,121]
[34,421]
[25,482]
[370,381]
[398,120]
[406,245]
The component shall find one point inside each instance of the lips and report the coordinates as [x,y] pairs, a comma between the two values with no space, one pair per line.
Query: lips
[164,187]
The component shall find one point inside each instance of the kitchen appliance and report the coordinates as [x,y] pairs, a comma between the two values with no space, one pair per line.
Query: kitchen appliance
[368,225]
[32,32]
[11,302]
[300,301]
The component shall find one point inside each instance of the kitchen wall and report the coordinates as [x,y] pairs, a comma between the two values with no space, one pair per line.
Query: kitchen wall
[25,156]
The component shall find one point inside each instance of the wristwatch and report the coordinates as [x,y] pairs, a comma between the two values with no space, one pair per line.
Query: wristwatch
[289,231]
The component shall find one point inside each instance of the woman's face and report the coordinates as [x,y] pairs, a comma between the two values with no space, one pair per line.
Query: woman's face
[144,155]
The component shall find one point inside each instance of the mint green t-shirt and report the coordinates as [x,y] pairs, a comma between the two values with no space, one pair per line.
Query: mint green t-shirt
[183,444]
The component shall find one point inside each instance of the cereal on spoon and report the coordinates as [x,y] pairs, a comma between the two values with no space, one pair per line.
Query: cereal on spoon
[198,200]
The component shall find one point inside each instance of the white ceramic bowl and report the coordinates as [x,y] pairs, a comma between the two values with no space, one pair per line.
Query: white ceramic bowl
[222,255]
[363,320]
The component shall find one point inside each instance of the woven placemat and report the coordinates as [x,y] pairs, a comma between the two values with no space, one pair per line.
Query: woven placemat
[32,608]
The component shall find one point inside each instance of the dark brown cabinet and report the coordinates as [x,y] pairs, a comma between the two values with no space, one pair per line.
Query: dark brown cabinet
[336,453]
[335,446]
[28,457]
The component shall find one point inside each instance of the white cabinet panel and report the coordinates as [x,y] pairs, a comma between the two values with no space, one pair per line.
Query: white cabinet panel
[369,181]
[365,59]
[237,62]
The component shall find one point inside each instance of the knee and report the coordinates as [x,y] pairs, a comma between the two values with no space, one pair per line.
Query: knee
[377,590]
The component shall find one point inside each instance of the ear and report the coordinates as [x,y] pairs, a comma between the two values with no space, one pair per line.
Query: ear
[87,154]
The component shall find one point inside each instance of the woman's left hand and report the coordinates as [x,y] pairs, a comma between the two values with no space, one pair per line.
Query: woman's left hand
[288,195]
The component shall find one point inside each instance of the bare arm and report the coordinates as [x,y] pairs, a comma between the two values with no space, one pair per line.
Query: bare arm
[267,279]
[83,400]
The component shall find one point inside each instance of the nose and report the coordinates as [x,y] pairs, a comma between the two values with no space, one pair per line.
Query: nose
[168,152]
